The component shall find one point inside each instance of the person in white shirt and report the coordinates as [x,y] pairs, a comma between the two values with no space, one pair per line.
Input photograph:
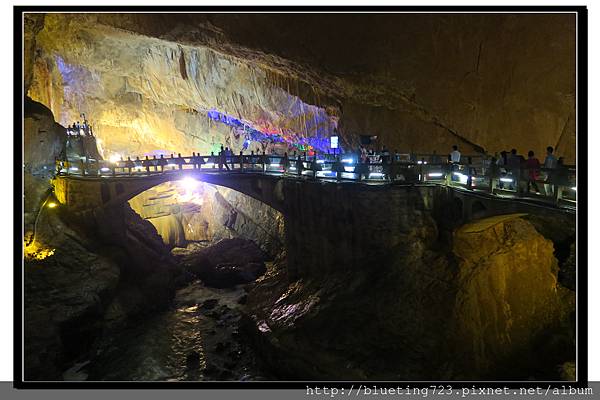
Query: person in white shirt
[455,155]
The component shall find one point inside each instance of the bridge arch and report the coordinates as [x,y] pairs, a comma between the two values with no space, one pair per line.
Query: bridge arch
[87,193]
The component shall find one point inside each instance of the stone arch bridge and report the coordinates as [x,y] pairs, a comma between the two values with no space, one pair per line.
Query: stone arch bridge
[81,193]
[84,193]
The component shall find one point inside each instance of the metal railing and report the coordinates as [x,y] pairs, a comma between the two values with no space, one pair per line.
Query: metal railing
[556,185]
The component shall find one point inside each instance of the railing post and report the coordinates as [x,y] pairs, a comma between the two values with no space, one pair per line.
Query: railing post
[448,168]
[492,182]
[469,176]
[558,194]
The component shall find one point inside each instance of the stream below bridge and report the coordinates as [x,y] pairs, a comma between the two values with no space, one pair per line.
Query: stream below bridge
[197,339]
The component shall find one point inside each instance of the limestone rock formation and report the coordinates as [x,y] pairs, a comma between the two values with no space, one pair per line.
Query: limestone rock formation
[508,293]
[68,284]
[418,314]
[43,140]
[149,83]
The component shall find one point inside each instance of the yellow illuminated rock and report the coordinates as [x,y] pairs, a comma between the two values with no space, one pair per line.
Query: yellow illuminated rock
[508,290]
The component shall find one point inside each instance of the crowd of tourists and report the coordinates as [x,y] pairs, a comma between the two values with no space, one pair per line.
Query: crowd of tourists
[510,169]
[80,128]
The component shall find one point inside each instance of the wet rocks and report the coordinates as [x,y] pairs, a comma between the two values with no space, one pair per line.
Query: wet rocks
[227,263]
[209,304]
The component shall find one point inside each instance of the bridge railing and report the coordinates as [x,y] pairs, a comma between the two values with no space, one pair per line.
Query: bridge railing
[475,173]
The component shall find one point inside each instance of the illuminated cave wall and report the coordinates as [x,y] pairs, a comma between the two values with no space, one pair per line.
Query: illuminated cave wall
[419,82]
[187,211]
[148,96]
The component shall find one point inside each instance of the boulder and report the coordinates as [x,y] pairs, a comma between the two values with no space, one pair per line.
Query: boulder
[225,275]
[228,263]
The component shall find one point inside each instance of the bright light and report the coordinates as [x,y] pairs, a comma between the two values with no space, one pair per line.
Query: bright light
[51,204]
[436,174]
[115,158]
[274,164]
[74,169]
[210,165]
[349,169]
[462,178]
[36,251]
[574,188]
[191,195]
[507,180]
[375,175]
[171,165]
[320,161]
[189,183]
[104,169]
[292,168]
[347,160]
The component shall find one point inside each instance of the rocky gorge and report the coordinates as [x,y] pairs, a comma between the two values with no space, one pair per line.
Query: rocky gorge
[351,282]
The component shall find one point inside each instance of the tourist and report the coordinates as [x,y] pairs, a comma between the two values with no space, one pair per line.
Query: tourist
[455,155]
[363,154]
[362,168]
[146,163]
[264,160]
[338,168]
[435,158]
[314,166]
[533,170]
[392,170]
[213,159]
[300,165]
[129,165]
[385,155]
[285,161]
[228,158]
[162,162]
[501,161]
[549,165]
[180,161]
[138,163]
[514,162]
[222,159]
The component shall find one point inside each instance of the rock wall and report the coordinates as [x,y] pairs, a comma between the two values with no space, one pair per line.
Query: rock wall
[508,294]
[380,294]
[145,95]
[419,82]
[43,138]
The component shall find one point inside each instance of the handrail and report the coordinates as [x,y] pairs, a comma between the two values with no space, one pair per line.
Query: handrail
[558,183]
